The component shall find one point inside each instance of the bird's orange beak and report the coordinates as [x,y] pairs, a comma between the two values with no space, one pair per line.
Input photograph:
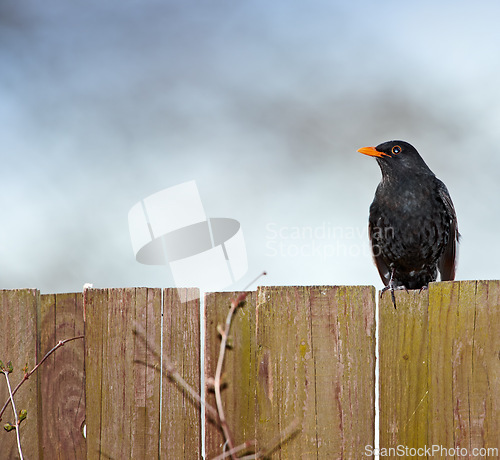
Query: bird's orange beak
[373,152]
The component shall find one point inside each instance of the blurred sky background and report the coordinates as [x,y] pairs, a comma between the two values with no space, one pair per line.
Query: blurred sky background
[264,104]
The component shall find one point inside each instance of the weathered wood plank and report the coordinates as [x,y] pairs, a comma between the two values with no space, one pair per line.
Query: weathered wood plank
[355,370]
[240,368]
[464,365]
[122,394]
[316,363]
[62,377]
[440,368]
[485,414]
[299,353]
[145,411]
[18,343]
[286,381]
[403,371]
[181,416]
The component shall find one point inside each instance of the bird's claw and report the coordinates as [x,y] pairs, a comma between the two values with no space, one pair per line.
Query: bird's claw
[393,287]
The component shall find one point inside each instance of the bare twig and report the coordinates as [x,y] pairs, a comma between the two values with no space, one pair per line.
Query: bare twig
[264,273]
[11,395]
[235,303]
[281,438]
[235,450]
[172,373]
[217,379]
[278,440]
[27,375]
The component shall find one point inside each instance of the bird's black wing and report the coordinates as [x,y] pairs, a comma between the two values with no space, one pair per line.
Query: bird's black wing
[448,261]
[382,267]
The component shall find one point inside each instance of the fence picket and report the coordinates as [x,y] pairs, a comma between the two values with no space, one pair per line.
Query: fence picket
[122,395]
[18,343]
[62,377]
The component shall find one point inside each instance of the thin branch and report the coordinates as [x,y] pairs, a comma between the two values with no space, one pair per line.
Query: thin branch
[172,373]
[27,375]
[235,303]
[278,440]
[11,395]
[217,379]
[235,450]
[264,273]
[176,377]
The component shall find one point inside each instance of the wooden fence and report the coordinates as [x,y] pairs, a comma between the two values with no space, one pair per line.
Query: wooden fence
[297,353]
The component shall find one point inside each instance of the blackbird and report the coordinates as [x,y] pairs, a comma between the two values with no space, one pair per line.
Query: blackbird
[412,225]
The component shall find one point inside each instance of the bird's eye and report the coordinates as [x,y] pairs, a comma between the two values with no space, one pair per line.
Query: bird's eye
[396,149]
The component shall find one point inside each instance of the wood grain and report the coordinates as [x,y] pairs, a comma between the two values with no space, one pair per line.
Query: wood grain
[18,343]
[298,353]
[62,377]
[464,364]
[316,358]
[181,416]
[302,353]
[122,386]
[403,375]
[440,369]
[240,370]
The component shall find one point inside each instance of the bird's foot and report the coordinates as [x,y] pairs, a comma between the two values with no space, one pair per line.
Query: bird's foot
[392,287]
[424,288]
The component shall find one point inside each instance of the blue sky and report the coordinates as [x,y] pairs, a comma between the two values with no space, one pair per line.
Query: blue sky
[264,104]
